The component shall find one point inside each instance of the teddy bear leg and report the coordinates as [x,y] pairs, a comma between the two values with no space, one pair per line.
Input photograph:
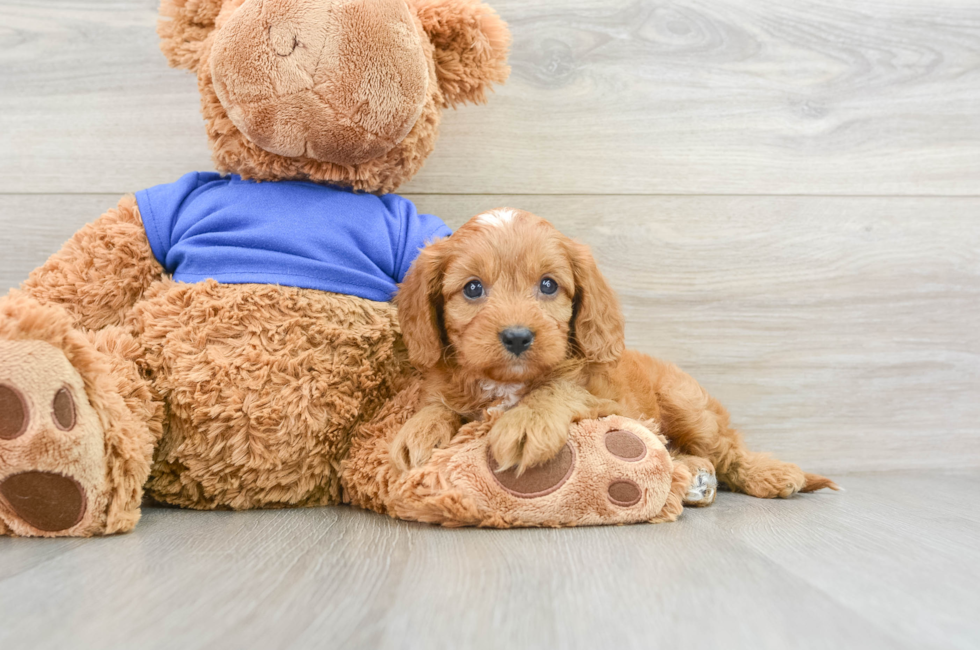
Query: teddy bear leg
[76,436]
[612,471]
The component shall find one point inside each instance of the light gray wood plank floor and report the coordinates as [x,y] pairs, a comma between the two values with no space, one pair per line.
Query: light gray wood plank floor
[893,562]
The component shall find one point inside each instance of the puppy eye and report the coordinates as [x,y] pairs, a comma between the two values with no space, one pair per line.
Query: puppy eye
[473,289]
[548,286]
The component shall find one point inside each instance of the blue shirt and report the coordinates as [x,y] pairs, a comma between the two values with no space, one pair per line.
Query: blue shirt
[291,233]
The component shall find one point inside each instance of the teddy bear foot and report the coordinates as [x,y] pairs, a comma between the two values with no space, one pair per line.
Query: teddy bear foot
[612,471]
[77,425]
[52,465]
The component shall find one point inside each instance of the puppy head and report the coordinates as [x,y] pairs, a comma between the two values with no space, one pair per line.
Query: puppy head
[508,297]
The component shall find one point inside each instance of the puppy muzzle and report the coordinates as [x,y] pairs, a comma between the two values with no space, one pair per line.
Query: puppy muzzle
[517,340]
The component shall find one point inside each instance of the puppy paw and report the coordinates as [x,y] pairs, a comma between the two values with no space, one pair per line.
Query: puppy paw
[414,443]
[407,453]
[704,484]
[702,491]
[522,438]
[598,408]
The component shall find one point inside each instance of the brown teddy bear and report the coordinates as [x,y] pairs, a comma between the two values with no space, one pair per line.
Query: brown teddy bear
[228,341]
[212,343]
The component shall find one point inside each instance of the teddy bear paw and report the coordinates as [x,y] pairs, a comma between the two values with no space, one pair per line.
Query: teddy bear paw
[612,471]
[52,465]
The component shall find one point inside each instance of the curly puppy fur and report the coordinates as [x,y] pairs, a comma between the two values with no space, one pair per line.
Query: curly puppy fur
[508,270]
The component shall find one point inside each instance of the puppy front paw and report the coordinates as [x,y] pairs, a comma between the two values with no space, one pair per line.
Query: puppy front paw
[414,443]
[406,452]
[522,438]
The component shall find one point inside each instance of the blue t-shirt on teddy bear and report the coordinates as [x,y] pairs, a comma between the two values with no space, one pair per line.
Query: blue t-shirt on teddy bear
[290,233]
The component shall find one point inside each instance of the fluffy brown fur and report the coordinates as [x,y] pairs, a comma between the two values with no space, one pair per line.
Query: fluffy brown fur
[575,367]
[470,45]
[100,273]
[263,385]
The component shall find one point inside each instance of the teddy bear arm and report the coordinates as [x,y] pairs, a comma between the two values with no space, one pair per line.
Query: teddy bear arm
[100,273]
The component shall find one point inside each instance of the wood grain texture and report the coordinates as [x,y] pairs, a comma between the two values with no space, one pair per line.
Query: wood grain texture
[840,332]
[610,96]
[884,565]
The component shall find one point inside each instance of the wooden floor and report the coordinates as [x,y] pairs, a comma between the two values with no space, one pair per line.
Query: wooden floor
[893,562]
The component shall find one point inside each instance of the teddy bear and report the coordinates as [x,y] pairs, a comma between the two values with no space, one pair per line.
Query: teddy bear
[227,340]
[212,342]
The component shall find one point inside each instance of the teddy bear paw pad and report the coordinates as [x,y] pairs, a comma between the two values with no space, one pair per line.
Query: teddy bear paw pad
[537,481]
[13,413]
[44,500]
[624,493]
[51,442]
[625,445]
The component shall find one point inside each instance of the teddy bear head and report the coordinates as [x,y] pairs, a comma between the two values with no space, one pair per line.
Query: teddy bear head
[347,92]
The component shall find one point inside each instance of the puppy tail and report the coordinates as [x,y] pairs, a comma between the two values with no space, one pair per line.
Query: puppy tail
[816,482]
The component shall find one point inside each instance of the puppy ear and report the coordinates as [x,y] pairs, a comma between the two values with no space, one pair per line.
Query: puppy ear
[183,26]
[419,301]
[471,43]
[597,320]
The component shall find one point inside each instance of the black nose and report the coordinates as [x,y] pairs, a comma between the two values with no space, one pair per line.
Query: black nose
[517,339]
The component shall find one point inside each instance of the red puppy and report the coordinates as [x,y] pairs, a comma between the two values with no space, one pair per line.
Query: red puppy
[510,314]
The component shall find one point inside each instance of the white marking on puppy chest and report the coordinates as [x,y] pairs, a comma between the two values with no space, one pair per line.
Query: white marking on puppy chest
[494,390]
[500,217]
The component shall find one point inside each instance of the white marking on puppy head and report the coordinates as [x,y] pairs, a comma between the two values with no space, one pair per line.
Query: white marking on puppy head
[500,217]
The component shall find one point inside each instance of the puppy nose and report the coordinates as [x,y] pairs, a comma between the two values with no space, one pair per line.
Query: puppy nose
[517,339]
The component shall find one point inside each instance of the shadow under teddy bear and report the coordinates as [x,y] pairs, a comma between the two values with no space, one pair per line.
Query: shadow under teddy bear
[216,342]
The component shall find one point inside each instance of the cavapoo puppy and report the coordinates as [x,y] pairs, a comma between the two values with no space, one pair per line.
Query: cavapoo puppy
[510,315]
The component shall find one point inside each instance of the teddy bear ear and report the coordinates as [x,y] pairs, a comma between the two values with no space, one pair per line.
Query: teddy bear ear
[183,26]
[471,43]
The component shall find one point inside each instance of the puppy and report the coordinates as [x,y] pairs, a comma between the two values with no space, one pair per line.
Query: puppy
[509,315]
